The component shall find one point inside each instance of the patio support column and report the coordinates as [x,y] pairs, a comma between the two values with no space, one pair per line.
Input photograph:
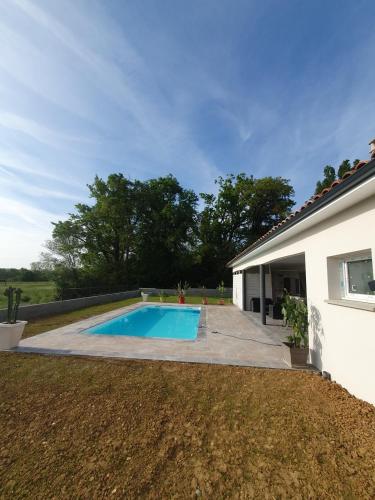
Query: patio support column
[244,290]
[262,293]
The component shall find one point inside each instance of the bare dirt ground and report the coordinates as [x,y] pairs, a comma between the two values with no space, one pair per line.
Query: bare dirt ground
[87,428]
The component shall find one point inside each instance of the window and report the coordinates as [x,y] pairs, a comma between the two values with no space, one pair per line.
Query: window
[286,284]
[357,274]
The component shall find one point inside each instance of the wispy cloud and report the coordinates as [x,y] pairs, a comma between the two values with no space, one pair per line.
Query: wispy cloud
[27,164]
[23,230]
[17,185]
[27,213]
[38,131]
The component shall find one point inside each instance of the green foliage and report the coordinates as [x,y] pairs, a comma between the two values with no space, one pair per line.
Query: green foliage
[295,315]
[9,275]
[133,234]
[243,210]
[182,288]
[149,233]
[329,177]
[343,168]
[221,289]
[166,231]
[330,174]
[14,298]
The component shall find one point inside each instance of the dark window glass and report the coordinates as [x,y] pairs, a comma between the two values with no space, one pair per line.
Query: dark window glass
[359,275]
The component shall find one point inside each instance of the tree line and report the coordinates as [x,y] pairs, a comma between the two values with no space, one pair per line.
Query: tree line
[155,233]
[11,275]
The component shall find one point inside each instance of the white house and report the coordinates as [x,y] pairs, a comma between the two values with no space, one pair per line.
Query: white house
[324,251]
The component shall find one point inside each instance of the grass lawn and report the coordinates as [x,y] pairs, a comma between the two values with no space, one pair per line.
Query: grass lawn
[37,291]
[49,323]
[86,428]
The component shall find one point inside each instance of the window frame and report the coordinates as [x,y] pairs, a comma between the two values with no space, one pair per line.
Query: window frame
[345,271]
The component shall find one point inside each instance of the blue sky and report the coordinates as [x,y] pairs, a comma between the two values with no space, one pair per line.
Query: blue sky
[197,89]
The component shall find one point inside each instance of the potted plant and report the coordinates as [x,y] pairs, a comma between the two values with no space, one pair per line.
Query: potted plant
[11,330]
[162,295]
[181,291]
[221,289]
[295,315]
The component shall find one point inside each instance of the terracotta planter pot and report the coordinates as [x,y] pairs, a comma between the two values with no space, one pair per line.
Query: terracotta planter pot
[204,301]
[181,299]
[221,302]
[298,355]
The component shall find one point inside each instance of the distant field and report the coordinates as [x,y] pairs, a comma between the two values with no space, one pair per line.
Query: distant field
[36,292]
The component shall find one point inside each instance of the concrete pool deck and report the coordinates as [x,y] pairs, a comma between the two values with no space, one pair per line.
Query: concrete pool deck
[226,336]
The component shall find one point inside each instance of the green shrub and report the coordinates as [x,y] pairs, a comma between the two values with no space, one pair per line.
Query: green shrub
[295,315]
[13,296]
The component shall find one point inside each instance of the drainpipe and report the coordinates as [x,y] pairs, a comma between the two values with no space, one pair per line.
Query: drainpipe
[262,275]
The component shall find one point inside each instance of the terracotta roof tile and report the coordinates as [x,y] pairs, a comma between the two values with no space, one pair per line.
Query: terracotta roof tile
[361,164]
[347,174]
[335,183]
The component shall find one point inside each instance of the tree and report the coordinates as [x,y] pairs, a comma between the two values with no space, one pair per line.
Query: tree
[99,238]
[343,168]
[329,177]
[244,209]
[330,174]
[166,231]
[355,162]
[134,233]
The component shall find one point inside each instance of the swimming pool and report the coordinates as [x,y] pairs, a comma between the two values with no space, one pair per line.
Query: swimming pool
[160,322]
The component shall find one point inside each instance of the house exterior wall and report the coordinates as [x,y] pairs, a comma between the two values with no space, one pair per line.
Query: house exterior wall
[238,290]
[253,287]
[341,339]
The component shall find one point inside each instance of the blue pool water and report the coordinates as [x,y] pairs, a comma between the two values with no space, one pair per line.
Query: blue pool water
[162,322]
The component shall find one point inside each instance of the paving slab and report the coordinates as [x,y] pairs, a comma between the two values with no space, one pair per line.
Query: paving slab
[226,336]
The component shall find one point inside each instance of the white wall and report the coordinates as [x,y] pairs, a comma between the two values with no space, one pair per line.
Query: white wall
[253,287]
[237,290]
[342,339]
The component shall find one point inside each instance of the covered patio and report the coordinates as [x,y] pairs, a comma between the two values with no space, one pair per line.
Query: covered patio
[263,287]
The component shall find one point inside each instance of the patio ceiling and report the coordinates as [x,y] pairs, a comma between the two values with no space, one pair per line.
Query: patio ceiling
[292,262]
